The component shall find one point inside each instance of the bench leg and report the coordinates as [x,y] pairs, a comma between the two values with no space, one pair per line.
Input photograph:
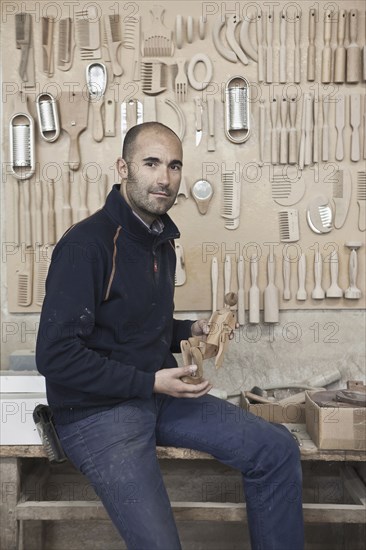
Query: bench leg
[10,490]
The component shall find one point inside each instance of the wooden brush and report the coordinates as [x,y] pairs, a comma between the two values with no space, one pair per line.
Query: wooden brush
[361,199]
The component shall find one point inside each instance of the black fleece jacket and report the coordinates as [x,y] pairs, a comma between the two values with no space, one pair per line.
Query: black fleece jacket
[107,322]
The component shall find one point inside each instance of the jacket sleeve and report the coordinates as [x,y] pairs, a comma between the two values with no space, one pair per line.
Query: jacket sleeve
[182,330]
[74,289]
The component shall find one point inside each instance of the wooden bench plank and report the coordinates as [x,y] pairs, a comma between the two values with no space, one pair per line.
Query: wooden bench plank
[184,511]
[308,452]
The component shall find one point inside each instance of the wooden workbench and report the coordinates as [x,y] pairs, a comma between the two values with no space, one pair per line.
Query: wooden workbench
[16,507]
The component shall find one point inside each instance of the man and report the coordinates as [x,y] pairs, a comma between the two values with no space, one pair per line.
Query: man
[105,346]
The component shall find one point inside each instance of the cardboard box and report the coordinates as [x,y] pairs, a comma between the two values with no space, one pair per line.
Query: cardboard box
[16,418]
[335,427]
[20,393]
[273,412]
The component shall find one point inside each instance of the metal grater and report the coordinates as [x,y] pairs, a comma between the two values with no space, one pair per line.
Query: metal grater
[237,117]
[48,119]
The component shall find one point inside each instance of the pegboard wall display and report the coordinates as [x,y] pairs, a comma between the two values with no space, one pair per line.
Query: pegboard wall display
[269,101]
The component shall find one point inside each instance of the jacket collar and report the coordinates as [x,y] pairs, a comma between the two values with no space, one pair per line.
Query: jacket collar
[121,213]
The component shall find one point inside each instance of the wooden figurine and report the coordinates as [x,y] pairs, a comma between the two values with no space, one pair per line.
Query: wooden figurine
[194,350]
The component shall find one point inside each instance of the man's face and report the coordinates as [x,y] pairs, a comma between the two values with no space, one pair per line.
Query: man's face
[153,174]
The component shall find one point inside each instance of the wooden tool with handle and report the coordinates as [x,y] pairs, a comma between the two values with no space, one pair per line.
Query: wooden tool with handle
[340,52]
[227,275]
[352,292]
[274,140]
[241,299]
[283,77]
[355,120]
[339,124]
[311,46]
[211,146]
[292,137]
[325,134]
[301,273]
[271,298]
[297,53]
[353,51]
[269,75]
[318,292]
[283,132]
[334,291]
[259,26]
[254,291]
[286,266]
[214,282]
[327,50]
[74,119]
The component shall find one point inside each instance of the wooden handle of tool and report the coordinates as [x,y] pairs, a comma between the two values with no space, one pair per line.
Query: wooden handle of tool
[270,46]
[353,51]
[211,115]
[51,213]
[262,129]
[339,126]
[271,297]
[297,53]
[353,14]
[27,216]
[286,266]
[334,268]
[283,135]
[74,154]
[308,127]
[327,51]
[292,141]
[355,118]
[283,47]
[316,131]
[198,103]
[98,131]
[353,268]
[271,264]
[38,211]
[214,283]
[318,292]
[254,292]
[110,117]
[241,303]
[341,30]
[241,298]
[340,53]
[259,27]
[227,274]
[274,144]
[325,144]
[311,47]
[301,272]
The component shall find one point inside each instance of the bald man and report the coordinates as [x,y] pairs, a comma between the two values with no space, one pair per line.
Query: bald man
[105,345]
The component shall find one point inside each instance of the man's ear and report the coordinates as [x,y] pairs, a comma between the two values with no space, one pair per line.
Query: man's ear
[122,168]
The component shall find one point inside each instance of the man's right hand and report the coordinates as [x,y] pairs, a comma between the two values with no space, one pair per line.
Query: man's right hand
[169,381]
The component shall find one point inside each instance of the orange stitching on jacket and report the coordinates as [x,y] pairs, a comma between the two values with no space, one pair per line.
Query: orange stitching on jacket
[113,262]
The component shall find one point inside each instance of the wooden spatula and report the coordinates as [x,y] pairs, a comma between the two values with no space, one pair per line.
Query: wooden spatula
[74,120]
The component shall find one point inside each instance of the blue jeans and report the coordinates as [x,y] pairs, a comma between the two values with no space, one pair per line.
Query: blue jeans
[116,450]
